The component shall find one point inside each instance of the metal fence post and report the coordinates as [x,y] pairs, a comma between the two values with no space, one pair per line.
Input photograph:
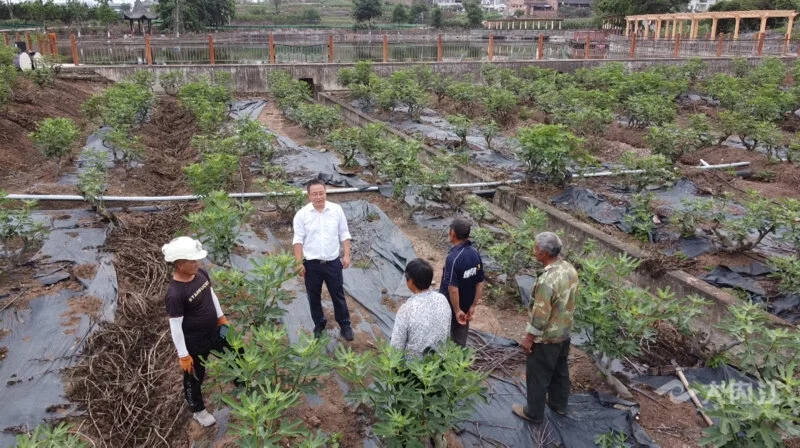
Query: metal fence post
[633,47]
[30,43]
[148,55]
[53,44]
[271,48]
[720,42]
[491,47]
[439,48]
[677,51]
[541,46]
[74,45]
[587,47]
[761,37]
[211,55]
[385,48]
[330,48]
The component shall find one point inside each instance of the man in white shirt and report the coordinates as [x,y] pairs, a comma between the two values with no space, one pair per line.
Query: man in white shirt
[319,228]
[423,322]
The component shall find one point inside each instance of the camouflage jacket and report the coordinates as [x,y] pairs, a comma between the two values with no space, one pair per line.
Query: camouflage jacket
[553,303]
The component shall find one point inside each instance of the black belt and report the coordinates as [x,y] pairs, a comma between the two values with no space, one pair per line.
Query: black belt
[320,261]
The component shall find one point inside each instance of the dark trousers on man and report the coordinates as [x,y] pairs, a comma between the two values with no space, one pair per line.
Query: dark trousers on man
[330,273]
[547,378]
[458,332]
[193,382]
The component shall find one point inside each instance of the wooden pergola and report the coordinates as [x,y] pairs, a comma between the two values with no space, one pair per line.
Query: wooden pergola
[677,20]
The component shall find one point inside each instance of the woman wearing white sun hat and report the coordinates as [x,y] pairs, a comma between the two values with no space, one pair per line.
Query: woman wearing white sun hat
[196,320]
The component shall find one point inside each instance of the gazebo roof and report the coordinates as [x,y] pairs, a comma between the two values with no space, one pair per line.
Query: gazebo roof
[140,11]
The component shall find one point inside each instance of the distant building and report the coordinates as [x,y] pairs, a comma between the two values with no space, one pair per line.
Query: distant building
[541,8]
[577,4]
[448,4]
[700,5]
[514,6]
[494,5]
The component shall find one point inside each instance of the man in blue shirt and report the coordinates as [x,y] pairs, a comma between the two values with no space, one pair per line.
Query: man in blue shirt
[462,280]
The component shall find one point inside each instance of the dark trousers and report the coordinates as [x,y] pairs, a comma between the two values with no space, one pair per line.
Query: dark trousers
[192,383]
[458,332]
[329,273]
[547,377]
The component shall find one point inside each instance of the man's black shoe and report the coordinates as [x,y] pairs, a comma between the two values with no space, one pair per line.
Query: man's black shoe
[318,332]
[347,333]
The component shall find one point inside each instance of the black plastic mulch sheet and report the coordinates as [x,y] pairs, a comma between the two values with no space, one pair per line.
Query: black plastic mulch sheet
[597,208]
[706,376]
[251,109]
[46,337]
[93,143]
[785,306]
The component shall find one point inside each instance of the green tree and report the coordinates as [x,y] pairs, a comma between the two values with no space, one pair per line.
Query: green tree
[219,223]
[418,11]
[106,15]
[276,4]
[195,15]
[474,13]
[548,149]
[633,7]
[367,10]
[519,13]
[56,137]
[400,14]
[436,17]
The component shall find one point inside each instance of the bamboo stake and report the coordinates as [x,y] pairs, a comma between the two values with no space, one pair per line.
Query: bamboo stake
[692,395]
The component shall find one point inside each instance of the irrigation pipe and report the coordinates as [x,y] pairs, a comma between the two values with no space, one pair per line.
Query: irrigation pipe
[75,197]
[703,166]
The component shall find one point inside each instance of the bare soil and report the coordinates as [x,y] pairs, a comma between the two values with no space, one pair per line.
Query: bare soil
[272,118]
[22,166]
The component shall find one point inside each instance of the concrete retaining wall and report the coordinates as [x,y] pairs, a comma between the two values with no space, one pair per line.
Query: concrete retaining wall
[512,204]
[253,78]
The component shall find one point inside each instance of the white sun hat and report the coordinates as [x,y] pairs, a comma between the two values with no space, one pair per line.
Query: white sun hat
[183,248]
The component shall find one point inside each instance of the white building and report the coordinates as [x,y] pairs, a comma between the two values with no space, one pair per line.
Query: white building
[494,5]
[700,5]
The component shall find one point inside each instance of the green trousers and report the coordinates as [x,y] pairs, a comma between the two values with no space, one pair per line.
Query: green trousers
[547,378]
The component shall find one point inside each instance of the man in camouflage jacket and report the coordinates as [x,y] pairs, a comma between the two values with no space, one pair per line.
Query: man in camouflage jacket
[546,340]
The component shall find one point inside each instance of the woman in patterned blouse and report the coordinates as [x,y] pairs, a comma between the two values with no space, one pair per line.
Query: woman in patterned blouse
[423,322]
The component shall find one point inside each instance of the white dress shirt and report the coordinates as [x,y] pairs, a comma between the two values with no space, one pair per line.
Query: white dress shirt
[320,232]
[422,322]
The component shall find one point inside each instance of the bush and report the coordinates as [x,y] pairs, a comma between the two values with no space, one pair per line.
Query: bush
[640,216]
[500,104]
[691,215]
[590,122]
[8,74]
[740,67]
[317,119]
[171,82]
[215,173]
[466,96]
[125,148]
[756,418]
[255,295]
[787,271]
[207,101]
[490,130]
[415,398]
[219,223]
[18,230]
[402,90]
[658,170]
[93,179]
[55,137]
[673,142]
[45,436]
[253,139]
[288,92]
[548,149]
[345,141]
[647,109]
[45,73]
[619,318]
[286,199]
[461,126]
[271,376]
[477,208]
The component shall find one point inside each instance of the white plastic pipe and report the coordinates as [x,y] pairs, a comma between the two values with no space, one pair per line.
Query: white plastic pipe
[703,166]
[74,197]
